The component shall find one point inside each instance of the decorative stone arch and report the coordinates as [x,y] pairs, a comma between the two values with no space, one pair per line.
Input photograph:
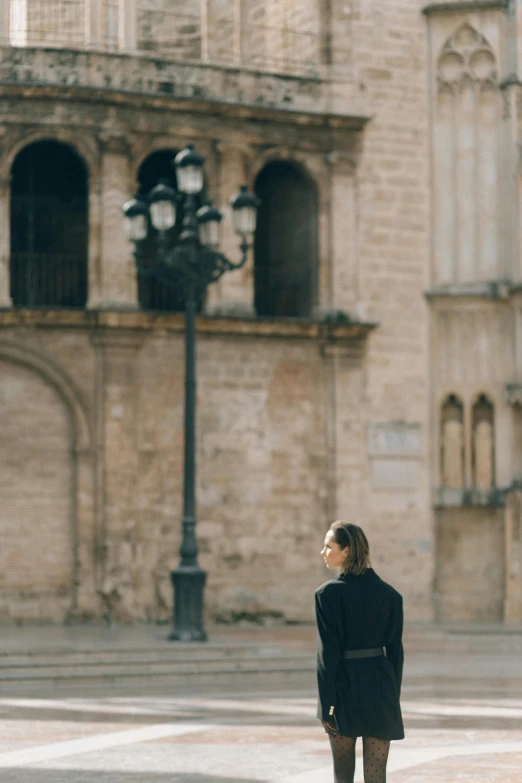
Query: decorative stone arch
[289,155]
[83,600]
[38,362]
[467,52]
[86,147]
[144,148]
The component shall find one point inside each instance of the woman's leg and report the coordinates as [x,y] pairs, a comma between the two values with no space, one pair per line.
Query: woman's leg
[375,756]
[343,752]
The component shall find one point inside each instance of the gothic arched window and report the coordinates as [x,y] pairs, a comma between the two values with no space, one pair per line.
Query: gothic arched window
[286,241]
[49,226]
[483,451]
[452,443]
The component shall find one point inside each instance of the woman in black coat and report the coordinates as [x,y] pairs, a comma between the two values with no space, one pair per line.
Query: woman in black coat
[359,658]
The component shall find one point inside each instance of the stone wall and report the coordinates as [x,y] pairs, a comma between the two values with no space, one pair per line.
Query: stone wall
[36,490]
[262,480]
[297,425]
[295,428]
[392,264]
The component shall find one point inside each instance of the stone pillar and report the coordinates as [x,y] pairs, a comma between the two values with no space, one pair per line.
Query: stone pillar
[94,17]
[515,11]
[5,21]
[510,188]
[513,512]
[117,404]
[5,244]
[128,23]
[513,553]
[234,293]
[343,287]
[86,600]
[118,284]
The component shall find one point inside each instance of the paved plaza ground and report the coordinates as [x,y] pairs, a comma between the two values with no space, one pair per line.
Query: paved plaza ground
[462,709]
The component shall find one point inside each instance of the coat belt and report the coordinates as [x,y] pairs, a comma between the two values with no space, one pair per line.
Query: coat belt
[373,652]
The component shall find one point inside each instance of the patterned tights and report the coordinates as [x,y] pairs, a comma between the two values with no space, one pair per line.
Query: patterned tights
[375,757]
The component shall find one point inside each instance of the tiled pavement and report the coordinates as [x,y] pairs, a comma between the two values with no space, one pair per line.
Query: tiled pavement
[465,727]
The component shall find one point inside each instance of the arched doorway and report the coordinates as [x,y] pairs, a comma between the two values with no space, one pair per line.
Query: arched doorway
[36,487]
[286,241]
[49,227]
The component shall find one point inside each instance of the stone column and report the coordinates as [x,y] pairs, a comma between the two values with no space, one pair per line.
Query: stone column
[5,21]
[5,244]
[94,17]
[234,293]
[128,18]
[118,284]
[513,552]
[343,279]
[513,511]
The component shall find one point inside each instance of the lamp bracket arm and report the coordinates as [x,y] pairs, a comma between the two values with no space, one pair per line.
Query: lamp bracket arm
[230,265]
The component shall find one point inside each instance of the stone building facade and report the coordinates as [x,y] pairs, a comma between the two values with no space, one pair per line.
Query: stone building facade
[365,364]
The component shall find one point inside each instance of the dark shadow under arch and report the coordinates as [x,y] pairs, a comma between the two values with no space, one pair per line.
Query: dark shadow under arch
[286,241]
[49,226]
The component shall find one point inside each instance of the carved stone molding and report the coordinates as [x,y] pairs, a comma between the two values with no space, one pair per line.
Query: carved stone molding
[464,5]
[467,59]
[18,136]
[109,338]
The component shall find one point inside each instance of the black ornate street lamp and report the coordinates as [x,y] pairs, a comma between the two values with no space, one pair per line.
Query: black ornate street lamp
[189,262]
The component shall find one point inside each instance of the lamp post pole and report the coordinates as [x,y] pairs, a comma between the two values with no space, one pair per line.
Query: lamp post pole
[188,579]
[190,263]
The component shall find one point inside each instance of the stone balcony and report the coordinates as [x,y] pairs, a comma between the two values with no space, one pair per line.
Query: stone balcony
[146,74]
[135,50]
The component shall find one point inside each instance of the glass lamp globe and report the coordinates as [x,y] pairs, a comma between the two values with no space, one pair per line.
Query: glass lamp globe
[209,219]
[162,204]
[244,211]
[189,170]
[135,219]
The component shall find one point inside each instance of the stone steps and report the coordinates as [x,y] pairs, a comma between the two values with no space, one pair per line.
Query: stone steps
[247,659]
[115,657]
[499,639]
[176,665]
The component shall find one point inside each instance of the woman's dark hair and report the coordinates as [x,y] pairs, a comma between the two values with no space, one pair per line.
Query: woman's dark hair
[348,535]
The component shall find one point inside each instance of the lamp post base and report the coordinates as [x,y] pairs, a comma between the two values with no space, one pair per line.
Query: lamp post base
[188,583]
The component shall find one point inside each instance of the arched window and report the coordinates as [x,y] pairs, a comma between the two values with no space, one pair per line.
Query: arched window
[49,226]
[285,248]
[452,443]
[153,294]
[483,452]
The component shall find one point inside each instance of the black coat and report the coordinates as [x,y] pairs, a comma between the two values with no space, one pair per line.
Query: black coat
[358,613]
